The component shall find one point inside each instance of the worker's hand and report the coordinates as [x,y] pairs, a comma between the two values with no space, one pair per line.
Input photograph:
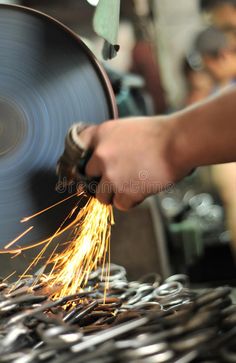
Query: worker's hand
[134,157]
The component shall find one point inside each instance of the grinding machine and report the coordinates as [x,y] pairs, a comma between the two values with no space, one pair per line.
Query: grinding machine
[49,80]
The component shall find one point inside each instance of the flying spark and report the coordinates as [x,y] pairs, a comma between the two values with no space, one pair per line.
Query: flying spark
[88,247]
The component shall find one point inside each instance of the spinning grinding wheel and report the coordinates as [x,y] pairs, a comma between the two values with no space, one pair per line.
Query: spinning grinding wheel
[48,81]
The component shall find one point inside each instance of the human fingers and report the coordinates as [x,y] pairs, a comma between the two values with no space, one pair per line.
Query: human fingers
[105,191]
[124,202]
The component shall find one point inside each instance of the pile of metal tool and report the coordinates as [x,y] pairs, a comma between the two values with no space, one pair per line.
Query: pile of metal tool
[148,320]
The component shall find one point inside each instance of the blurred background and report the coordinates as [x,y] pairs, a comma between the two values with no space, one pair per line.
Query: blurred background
[172,54]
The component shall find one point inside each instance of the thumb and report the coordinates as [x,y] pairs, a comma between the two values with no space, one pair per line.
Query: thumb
[88,136]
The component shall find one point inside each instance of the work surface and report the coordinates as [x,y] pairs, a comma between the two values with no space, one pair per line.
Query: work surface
[148,320]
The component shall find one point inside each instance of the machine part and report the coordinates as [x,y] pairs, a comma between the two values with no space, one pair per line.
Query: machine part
[106,25]
[49,80]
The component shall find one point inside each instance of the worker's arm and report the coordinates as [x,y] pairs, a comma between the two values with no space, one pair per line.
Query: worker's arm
[206,132]
[139,157]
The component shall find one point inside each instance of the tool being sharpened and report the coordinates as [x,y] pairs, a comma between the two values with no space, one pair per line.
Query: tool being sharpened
[72,163]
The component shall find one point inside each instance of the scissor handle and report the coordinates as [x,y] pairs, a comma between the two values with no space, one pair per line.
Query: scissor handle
[73,161]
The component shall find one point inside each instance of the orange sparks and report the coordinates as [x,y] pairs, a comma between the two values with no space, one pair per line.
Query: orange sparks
[89,247]
[26,219]
[7,277]
[19,237]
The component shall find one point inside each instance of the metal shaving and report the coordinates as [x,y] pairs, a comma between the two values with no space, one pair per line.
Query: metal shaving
[148,320]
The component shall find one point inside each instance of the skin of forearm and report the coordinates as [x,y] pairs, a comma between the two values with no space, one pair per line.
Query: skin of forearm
[205,134]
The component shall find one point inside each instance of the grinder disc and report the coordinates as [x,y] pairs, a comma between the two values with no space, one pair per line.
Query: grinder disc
[48,80]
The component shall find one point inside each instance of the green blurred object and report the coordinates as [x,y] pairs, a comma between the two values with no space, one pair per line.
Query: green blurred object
[106,25]
[190,239]
[131,97]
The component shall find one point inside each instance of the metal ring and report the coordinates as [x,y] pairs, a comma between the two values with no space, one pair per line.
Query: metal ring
[169,289]
[182,278]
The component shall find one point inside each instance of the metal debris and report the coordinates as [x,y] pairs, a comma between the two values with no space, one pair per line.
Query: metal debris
[148,320]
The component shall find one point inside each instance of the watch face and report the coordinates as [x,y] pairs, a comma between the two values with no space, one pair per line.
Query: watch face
[49,80]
